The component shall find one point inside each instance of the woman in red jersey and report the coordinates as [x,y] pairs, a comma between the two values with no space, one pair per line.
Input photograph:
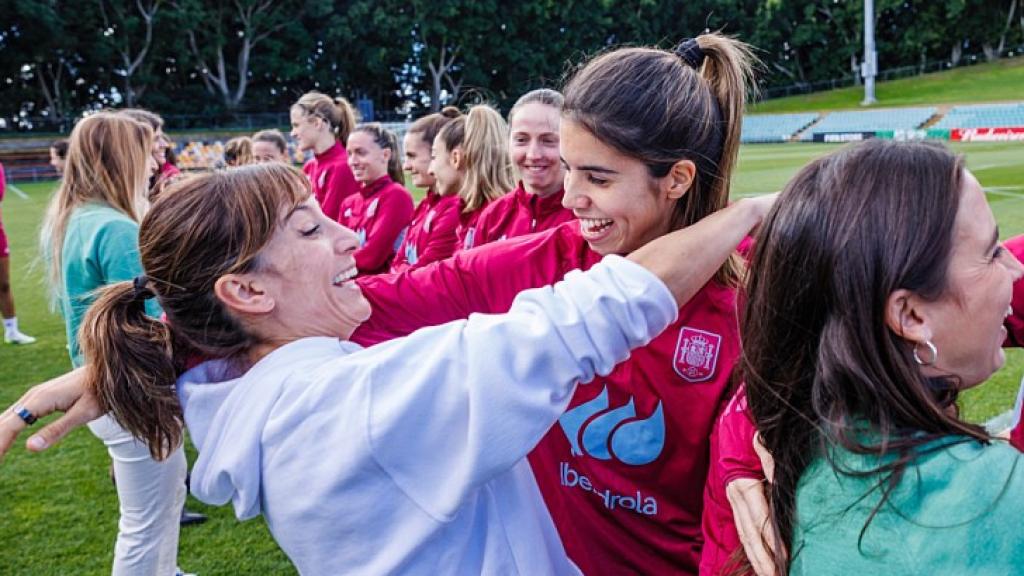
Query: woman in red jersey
[11,333]
[431,235]
[322,125]
[380,212]
[536,203]
[470,154]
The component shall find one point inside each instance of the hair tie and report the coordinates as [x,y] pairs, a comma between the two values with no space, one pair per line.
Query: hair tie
[690,52]
[140,289]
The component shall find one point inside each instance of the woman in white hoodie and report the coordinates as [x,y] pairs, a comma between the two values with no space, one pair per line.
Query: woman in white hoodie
[407,457]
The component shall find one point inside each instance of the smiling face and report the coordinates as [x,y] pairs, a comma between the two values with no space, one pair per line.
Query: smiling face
[444,167]
[620,206]
[368,160]
[307,269]
[263,151]
[967,321]
[417,160]
[160,145]
[534,148]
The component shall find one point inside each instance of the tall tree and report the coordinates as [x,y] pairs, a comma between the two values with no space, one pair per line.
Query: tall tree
[127,27]
[223,31]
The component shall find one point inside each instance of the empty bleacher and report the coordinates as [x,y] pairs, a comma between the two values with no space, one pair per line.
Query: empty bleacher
[762,128]
[870,121]
[984,116]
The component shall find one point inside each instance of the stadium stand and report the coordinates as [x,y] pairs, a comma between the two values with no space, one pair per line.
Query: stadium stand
[984,116]
[870,121]
[764,128]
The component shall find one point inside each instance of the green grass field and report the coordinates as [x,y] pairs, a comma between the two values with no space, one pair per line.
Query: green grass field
[991,82]
[59,508]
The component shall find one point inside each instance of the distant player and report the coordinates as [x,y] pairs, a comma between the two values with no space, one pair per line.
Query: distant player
[270,146]
[382,209]
[432,232]
[322,125]
[11,333]
[536,203]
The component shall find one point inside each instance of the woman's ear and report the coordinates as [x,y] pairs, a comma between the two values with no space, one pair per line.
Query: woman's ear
[907,316]
[679,179]
[243,294]
[455,157]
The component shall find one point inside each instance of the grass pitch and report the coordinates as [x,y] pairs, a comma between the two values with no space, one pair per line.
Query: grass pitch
[60,510]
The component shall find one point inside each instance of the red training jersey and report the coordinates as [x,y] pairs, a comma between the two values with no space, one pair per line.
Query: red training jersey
[332,179]
[431,235]
[465,233]
[379,214]
[623,470]
[1015,329]
[519,213]
[732,457]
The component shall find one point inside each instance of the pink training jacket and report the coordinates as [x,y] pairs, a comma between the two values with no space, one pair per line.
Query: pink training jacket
[623,472]
[519,213]
[466,230]
[332,179]
[379,214]
[431,236]
[1015,328]
[732,457]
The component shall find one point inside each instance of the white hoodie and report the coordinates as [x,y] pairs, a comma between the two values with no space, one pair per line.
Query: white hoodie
[409,457]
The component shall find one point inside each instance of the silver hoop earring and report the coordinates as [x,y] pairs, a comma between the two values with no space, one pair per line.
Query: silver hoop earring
[931,349]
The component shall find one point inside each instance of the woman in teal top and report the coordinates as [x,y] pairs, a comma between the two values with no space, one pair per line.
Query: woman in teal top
[91,237]
[880,293]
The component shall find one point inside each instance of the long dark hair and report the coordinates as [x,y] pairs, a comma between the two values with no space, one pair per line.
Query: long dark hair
[821,365]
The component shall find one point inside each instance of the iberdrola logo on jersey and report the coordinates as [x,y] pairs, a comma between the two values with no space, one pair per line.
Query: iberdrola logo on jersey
[600,431]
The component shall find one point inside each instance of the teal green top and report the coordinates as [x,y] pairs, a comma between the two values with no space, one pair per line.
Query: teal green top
[955,511]
[101,246]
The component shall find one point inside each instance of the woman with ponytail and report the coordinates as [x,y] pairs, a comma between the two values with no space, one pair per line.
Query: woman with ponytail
[380,213]
[90,237]
[322,125]
[649,138]
[432,232]
[470,154]
[403,458]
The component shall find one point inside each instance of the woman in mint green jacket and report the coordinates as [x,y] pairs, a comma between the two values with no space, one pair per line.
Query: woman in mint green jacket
[880,294]
[91,239]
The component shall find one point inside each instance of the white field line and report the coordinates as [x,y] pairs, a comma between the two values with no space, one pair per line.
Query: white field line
[18,191]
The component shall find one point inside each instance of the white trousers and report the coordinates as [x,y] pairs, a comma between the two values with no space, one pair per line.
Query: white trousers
[151,496]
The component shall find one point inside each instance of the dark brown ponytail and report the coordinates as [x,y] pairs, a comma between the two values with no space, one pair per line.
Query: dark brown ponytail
[202,227]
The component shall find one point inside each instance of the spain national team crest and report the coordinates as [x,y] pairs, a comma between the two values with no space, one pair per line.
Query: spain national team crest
[696,354]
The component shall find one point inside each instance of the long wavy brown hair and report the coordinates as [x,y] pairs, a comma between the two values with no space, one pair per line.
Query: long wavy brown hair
[820,363]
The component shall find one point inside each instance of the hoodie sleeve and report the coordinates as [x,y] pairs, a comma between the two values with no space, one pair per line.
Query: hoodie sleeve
[451,407]
[485,279]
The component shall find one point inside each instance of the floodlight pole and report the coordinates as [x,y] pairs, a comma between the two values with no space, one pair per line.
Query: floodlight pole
[869,67]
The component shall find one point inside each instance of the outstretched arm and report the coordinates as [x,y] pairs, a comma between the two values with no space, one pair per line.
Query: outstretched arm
[66,394]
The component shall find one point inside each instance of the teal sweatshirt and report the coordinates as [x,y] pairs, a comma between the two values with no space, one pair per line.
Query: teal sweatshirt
[101,246]
[955,511]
